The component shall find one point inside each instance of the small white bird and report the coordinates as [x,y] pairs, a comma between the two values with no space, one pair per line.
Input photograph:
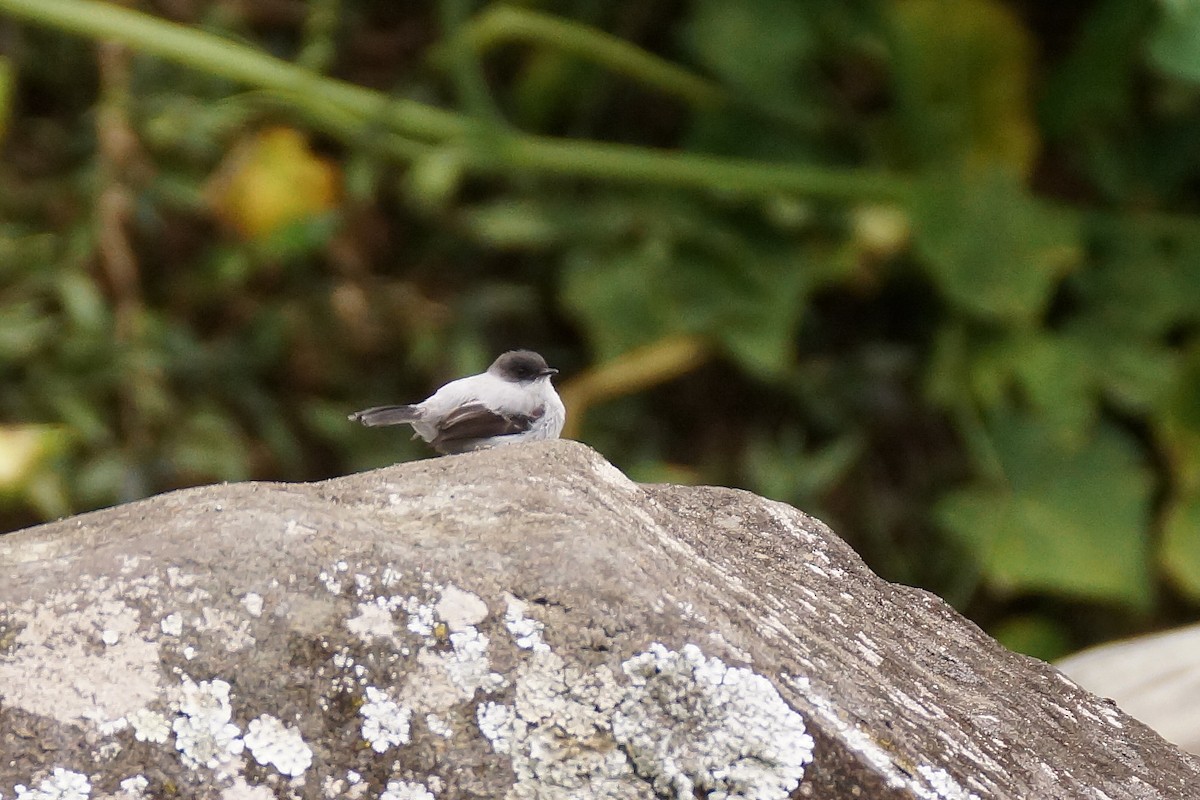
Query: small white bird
[513,401]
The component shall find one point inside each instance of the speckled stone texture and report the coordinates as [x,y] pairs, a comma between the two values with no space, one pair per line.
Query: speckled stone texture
[516,623]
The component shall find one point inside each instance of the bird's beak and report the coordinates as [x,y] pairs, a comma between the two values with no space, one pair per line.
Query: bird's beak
[549,371]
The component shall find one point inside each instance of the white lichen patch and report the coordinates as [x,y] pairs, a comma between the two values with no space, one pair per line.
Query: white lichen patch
[373,621]
[348,676]
[446,676]
[134,787]
[331,582]
[686,724]
[945,786]
[149,726]
[172,624]
[62,784]
[438,726]
[389,577]
[275,744]
[253,603]
[469,667]
[421,617]
[460,609]
[558,732]
[693,725]
[348,788]
[526,631]
[241,790]
[233,632]
[79,658]
[129,564]
[204,733]
[178,579]
[406,790]
[427,688]
[106,751]
[385,722]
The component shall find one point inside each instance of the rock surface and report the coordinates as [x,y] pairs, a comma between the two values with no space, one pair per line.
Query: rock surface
[521,623]
[1155,678]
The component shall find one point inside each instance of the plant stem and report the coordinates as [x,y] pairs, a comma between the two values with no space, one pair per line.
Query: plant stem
[465,67]
[507,22]
[217,56]
[731,176]
[413,123]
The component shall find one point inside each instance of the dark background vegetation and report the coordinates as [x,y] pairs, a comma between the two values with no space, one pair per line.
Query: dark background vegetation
[927,269]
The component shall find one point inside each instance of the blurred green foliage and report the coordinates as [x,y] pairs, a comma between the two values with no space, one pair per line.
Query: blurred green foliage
[929,269]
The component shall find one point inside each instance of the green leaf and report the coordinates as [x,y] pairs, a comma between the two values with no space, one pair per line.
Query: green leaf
[757,46]
[993,251]
[785,466]
[1143,283]
[83,302]
[615,296]
[1177,424]
[1071,521]
[1180,553]
[1172,42]
[757,320]
[691,275]
[7,90]
[208,445]
[102,478]
[294,240]
[1062,377]
[25,329]
[1049,371]
[1055,373]
[1093,84]
[1135,374]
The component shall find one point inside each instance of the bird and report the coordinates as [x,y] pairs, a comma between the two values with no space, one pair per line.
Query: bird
[513,401]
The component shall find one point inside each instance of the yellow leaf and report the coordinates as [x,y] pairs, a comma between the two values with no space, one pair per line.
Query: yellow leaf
[270,180]
[23,448]
[964,70]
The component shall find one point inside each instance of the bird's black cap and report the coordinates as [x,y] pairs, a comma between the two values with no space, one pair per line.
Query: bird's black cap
[521,366]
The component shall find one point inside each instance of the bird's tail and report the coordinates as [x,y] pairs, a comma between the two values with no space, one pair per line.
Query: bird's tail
[386,415]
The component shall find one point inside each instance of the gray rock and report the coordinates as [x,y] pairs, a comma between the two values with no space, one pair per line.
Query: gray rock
[516,623]
[1155,678]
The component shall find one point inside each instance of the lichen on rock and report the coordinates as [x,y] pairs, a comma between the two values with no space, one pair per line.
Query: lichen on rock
[693,725]
[278,745]
[680,722]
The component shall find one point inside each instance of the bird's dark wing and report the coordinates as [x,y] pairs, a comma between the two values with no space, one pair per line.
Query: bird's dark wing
[466,425]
